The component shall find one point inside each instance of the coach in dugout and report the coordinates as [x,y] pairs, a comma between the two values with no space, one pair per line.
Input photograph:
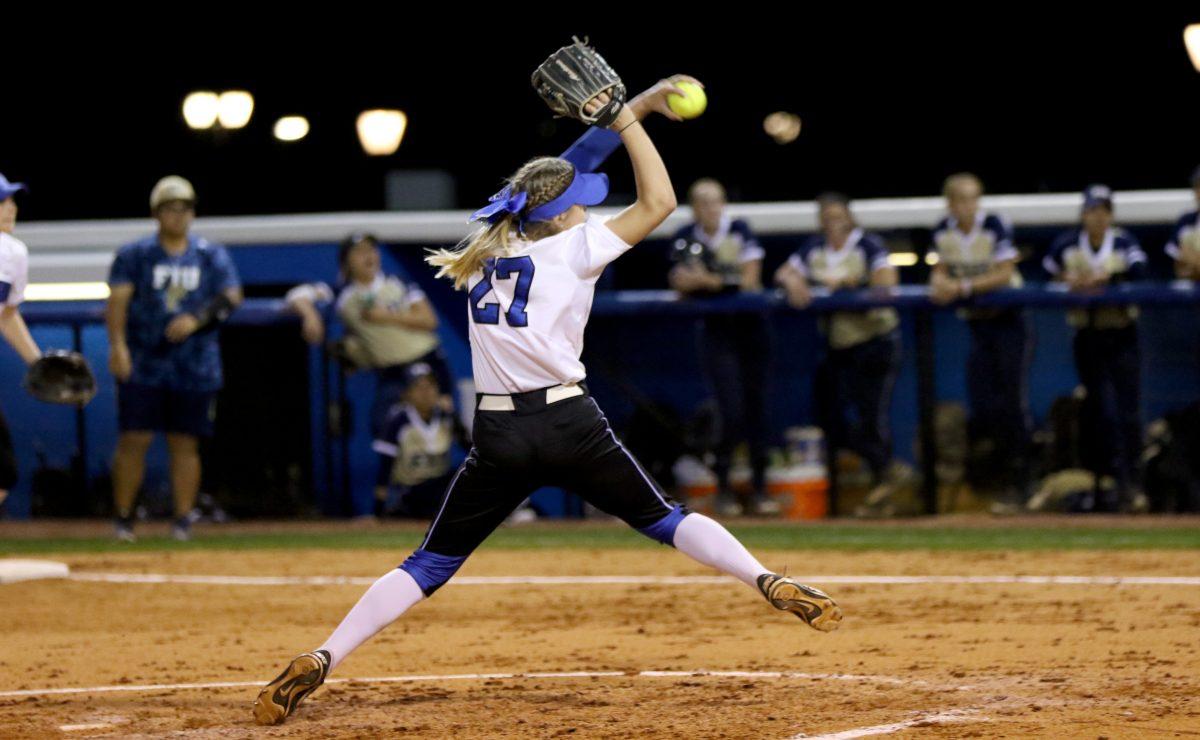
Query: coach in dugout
[169,293]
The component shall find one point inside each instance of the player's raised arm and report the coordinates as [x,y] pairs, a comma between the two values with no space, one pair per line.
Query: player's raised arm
[655,194]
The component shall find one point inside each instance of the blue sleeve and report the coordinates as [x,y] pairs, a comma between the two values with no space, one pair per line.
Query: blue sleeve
[875,252]
[227,276]
[386,441]
[751,249]
[1052,263]
[590,150]
[124,267]
[1135,259]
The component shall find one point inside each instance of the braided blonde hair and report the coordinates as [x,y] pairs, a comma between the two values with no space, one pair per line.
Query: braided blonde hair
[544,179]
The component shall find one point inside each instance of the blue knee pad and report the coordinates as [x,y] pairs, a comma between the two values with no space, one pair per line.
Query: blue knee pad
[664,529]
[431,570]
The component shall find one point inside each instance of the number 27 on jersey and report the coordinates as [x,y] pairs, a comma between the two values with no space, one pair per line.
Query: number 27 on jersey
[503,268]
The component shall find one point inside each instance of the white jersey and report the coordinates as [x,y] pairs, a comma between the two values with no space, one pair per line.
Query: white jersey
[14,270]
[529,309]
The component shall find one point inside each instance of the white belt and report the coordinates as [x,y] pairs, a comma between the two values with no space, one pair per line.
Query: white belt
[553,395]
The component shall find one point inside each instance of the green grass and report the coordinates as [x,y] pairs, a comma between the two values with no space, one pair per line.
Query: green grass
[761,536]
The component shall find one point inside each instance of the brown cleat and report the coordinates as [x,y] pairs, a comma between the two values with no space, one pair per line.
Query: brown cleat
[810,604]
[279,699]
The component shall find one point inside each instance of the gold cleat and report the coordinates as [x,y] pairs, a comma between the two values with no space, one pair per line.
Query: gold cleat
[279,699]
[810,604]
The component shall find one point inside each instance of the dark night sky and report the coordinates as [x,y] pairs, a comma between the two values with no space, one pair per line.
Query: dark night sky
[890,106]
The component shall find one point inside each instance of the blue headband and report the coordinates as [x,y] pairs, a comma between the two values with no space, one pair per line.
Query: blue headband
[586,189]
[501,203]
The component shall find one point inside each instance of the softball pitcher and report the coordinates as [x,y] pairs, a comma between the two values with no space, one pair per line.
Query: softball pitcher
[530,273]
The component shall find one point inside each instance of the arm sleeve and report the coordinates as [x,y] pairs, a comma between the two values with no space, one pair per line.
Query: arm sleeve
[1172,247]
[876,253]
[1002,232]
[593,246]
[798,260]
[227,275]
[123,270]
[751,249]
[590,150]
[1052,263]
[1135,261]
[412,294]
[14,276]
[385,441]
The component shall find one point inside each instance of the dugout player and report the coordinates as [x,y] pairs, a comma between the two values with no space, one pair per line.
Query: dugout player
[718,255]
[389,322]
[975,255]
[1184,246]
[1107,359]
[414,448]
[14,276]
[853,389]
[530,273]
[169,294]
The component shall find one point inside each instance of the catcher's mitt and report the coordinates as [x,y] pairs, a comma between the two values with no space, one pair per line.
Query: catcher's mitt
[61,377]
[572,76]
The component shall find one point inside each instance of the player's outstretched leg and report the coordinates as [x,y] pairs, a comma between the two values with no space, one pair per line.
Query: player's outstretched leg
[707,542]
[477,500]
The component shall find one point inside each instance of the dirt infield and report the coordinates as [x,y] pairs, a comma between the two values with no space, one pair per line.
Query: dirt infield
[942,660]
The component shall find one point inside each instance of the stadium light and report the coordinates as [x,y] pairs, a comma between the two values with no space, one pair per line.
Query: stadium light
[380,131]
[782,126]
[902,259]
[1191,39]
[291,128]
[66,292]
[200,110]
[931,259]
[234,108]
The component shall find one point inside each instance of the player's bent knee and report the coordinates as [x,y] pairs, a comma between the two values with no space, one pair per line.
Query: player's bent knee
[664,529]
[431,570]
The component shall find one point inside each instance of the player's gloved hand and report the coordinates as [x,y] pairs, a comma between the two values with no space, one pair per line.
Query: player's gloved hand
[654,98]
[182,327]
[61,376]
[120,364]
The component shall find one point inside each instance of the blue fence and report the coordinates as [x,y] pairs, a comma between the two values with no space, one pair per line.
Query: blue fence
[654,355]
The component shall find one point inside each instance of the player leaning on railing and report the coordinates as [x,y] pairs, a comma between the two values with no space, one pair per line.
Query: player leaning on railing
[530,273]
[1184,246]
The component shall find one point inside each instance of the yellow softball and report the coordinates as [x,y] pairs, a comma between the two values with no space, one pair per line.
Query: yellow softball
[691,104]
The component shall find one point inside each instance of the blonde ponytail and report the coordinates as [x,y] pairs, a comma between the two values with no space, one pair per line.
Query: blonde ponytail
[544,179]
[469,256]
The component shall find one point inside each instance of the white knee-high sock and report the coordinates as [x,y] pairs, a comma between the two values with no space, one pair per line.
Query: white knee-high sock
[706,541]
[382,604]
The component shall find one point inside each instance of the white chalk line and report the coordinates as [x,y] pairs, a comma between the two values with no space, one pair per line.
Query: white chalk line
[954,715]
[475,677]
[219,580]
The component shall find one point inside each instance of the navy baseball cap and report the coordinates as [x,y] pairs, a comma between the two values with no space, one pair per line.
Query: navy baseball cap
[1097,195]
[416,371]
[9,189]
